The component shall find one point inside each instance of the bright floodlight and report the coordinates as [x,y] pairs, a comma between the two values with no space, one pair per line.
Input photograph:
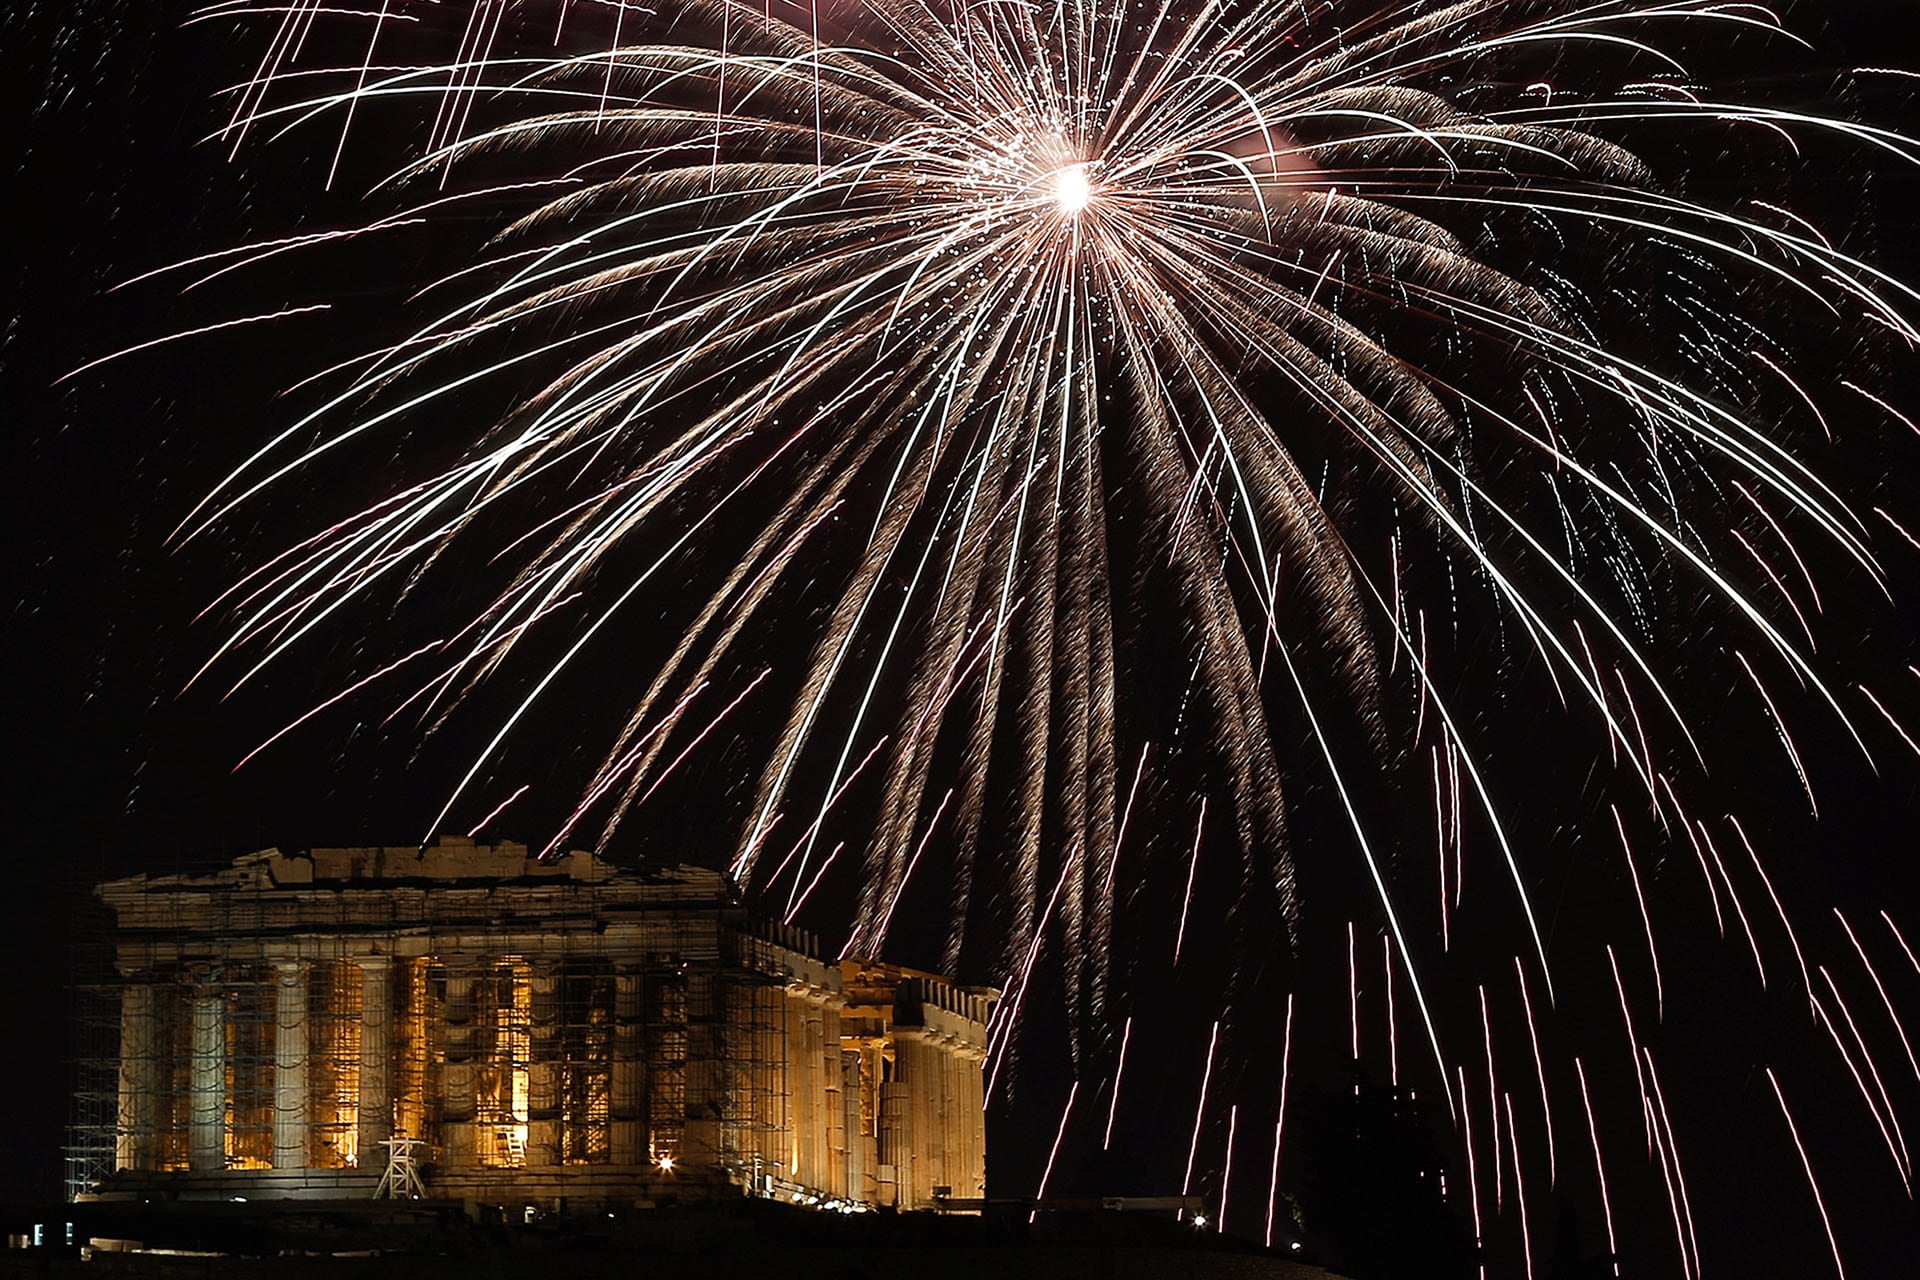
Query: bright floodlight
[1072,189]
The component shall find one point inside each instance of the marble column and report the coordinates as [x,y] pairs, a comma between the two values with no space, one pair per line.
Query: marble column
[701,1145]
[833,1088]
[792,1080]
[774,1047]
[137,1128]
[813,1088]
[904,1126]
[935,1147]
[290,1065]
[375,1116]
[629,1070]
[941,1102]
[960,1135]
[925,1090]
[459,1079]
[207,1090]
[973,1116]
[895,1146]
[870,1111]
[545,1116]
[958,1130]
[859,1148]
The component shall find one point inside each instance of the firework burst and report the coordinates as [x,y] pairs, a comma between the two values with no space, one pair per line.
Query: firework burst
[1058,410]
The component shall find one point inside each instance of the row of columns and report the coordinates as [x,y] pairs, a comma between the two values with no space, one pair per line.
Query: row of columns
[546,1120]
[144,1068]
[930,1115]
[932,1128]
[810,1071]
[857,1148]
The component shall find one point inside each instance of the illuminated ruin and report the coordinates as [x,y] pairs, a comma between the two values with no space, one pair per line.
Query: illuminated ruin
[564,1034]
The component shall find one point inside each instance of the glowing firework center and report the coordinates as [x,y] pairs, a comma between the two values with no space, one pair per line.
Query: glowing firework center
[465,1022]
[1072,189]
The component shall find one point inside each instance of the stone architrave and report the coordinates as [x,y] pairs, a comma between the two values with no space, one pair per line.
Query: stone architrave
[973,1120]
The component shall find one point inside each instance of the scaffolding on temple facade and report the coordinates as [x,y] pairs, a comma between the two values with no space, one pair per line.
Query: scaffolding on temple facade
[553,1034]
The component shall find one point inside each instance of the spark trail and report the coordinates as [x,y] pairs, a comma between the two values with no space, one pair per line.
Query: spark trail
[892,393]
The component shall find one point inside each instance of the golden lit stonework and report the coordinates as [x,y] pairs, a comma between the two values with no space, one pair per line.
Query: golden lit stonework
[563,1033]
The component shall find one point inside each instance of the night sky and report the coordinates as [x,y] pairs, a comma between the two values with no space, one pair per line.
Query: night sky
[114,768]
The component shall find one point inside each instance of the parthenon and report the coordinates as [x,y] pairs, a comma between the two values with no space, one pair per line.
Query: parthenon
[548,1034]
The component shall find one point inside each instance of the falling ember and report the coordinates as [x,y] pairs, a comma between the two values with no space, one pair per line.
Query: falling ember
[1493,1103]
[1126,815]
[1199,1114]
[880,934]
[1668,1160]
[1888,717]
[1633,1047]
[1353,995]
[803,847]
[1739,908]
[1901,939]
[1819,1201]
[1120,1065]
[499,809]
[1599,1166]
[1280,1119]
[1539,1071]
[1885,1107]
[1440,848]
[1519,1186]
[1646,919]
[1473,1172]
[1893,1015]
[282,314]
[1003,1028]
[1779,907]
[1226,1177]
[1673,1148]
[1193,870]
[1393,1032]
[1687,827]
[1886,1135]
[1053,1153]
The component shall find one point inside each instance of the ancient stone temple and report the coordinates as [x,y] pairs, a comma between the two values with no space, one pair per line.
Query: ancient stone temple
[560,1034]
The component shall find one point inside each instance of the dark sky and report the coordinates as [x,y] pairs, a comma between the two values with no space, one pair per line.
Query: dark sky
[112,768]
